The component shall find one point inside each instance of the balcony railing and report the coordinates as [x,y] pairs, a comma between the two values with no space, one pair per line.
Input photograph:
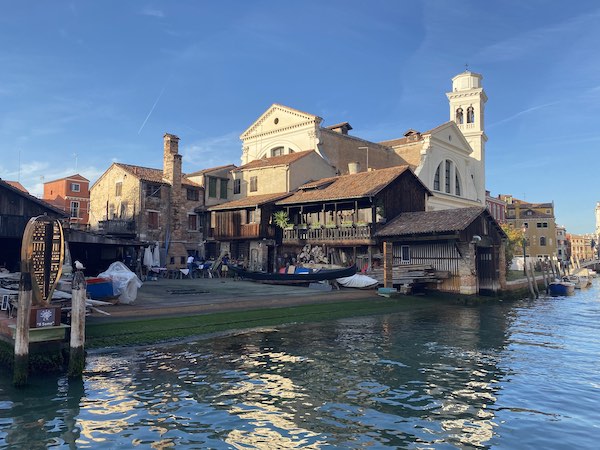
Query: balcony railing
[246,231]
[342,233]
[117,227]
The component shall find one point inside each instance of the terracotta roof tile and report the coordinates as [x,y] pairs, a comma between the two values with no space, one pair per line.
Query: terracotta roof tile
[246,202]
[17,185]
[32,198]
[425,222]
[358,185]
[275,160]
[152,175]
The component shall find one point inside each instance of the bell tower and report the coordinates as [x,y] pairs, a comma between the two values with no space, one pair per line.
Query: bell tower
[467,109]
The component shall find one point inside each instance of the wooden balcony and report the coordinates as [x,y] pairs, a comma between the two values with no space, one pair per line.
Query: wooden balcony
[117,227]
[349,235]
[246,231]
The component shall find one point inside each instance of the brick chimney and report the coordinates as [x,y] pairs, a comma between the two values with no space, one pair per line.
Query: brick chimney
[172,176]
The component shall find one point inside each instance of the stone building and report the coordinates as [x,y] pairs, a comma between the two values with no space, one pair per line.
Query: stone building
[72,195]
[581,246]
[151,205]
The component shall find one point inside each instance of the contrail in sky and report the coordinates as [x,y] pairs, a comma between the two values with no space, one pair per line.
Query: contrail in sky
[152,109]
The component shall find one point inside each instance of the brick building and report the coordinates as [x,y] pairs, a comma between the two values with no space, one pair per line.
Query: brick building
[151,205]
[72,195]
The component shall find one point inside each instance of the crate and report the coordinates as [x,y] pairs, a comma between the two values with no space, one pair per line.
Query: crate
[98,288]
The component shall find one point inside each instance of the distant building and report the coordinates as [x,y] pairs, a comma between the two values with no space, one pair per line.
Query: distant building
[72,195]
[581,246]
[151,205]
[538,222]
[562,245]
[17,185]
[496,207]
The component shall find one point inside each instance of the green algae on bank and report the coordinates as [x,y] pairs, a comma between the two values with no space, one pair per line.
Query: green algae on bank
[149,331]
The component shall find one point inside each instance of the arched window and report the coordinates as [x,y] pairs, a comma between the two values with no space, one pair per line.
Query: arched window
[542,241]
[459,116]
[277,151]
[436,178]
[447,177]
[470,114]
[457,189]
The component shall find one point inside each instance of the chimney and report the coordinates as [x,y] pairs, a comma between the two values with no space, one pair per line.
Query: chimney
[353,167]
[171,160]
[341,128]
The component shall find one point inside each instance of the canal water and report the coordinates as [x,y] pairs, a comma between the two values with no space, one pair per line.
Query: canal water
[503,375]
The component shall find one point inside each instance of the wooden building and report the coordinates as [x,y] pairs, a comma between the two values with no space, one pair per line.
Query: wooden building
[342,214]
[466,242]
[16,208]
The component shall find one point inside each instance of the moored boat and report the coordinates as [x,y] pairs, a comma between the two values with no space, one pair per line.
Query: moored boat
[580,281]
[302,275]
[561,288]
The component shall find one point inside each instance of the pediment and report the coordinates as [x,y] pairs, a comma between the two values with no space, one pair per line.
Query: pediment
[451,134]
[278,118]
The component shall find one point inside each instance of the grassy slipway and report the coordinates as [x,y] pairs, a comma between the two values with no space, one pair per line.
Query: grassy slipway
[149,331]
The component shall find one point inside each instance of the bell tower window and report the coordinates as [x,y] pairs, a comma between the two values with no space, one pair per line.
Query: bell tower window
[459,116]
[470,114]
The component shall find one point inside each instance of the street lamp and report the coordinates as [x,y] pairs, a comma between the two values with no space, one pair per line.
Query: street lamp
[524,242]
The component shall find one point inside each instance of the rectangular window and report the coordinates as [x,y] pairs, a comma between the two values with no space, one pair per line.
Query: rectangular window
[539,224]
[212,187]
[153,190]
[192,222]
[447,180]
[118,188]
[405,254]
[153,220]
[75,209]
[545,225]
[237,186]
[253,184]
[75,187]
[224,188]
[193,194]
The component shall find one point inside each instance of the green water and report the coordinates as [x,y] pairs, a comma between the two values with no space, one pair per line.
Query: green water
[510,375]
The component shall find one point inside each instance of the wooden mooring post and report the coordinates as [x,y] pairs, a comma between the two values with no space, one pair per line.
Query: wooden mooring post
[388,259]
[77,342]
[21,362]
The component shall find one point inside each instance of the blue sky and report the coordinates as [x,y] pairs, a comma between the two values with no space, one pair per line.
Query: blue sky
[87,83]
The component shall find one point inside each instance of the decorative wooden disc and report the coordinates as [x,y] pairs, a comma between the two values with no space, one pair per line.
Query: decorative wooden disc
[42,255]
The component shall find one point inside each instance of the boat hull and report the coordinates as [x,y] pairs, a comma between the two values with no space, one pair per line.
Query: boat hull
[561,288]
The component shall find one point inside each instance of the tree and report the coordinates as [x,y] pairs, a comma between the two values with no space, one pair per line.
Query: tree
[515,239]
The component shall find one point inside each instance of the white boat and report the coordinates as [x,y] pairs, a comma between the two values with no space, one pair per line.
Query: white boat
[580,281]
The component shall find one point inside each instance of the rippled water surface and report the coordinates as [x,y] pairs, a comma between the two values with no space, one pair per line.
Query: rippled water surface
[511,375]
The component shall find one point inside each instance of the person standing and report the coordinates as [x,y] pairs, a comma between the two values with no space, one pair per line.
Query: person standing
[190,266]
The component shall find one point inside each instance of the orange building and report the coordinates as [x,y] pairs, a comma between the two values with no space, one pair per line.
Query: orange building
[72,195]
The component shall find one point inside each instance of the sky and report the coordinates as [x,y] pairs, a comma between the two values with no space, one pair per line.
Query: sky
[88,83]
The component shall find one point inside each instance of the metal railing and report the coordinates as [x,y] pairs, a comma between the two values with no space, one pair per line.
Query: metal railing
[341,233]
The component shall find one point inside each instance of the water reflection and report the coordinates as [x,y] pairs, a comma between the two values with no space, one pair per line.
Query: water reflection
[438,375]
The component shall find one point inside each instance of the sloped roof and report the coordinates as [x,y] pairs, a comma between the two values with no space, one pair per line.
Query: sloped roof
[152,175]
[358,185]
[212,169]
[282,160]
[32,198]
[17,185]
[252,201]
[426,222]
[70,177]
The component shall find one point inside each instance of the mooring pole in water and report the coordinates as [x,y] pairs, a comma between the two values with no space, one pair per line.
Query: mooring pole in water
[534,281]
[388,281]
[21,366]
[77,344]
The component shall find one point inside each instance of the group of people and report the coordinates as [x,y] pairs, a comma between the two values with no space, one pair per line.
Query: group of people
[194,265]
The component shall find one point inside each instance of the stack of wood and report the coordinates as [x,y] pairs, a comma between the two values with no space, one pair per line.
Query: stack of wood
[411,274]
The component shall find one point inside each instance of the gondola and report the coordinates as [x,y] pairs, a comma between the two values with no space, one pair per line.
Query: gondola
[307,275]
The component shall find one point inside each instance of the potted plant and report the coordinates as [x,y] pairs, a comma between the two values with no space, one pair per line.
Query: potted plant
[347,224]
[282,220]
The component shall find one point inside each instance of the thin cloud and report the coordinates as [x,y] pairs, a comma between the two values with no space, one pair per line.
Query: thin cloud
[521,113]
[153,13]
[213,151]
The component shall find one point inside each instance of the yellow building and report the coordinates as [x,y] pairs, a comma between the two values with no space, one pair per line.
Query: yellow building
[538,222]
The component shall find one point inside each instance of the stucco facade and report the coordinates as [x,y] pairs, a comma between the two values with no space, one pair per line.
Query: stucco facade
[72,195]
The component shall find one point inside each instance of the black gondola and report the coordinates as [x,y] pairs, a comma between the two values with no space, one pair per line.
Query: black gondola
[315,275]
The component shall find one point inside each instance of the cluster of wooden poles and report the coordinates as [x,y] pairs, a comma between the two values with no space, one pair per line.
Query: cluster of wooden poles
[550,271]
[77,338]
